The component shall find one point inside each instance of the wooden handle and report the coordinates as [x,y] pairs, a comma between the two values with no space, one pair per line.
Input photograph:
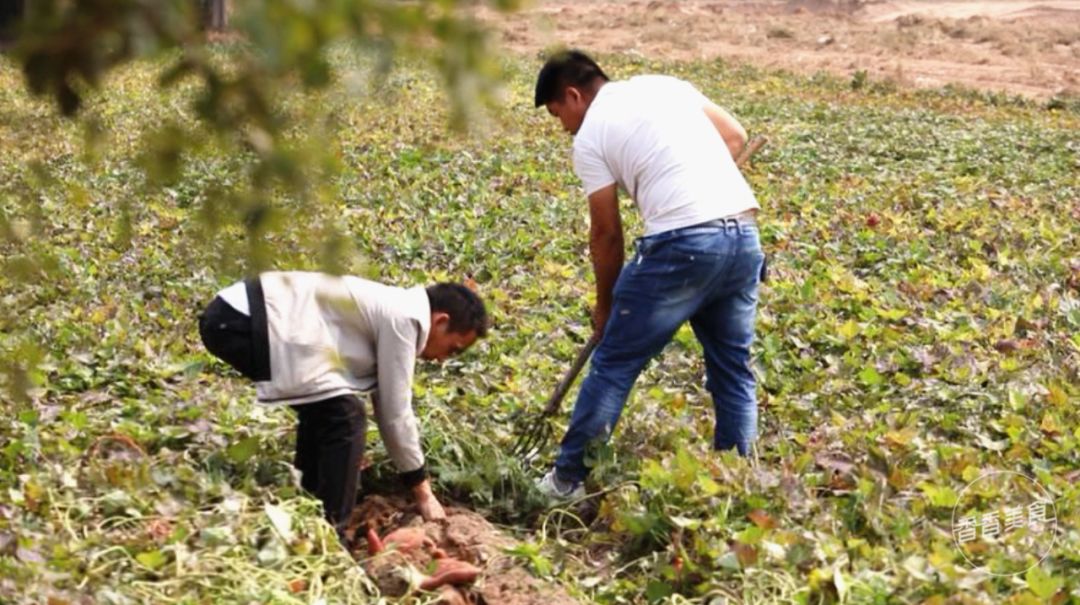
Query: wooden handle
[567,380]
[751,147]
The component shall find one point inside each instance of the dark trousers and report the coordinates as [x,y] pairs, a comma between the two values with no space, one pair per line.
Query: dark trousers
[329,446]
[329,434]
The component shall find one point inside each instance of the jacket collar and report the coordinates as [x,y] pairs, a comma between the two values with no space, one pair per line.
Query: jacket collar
[418,307]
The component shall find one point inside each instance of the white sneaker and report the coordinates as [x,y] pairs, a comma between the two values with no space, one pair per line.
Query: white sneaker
[557,489]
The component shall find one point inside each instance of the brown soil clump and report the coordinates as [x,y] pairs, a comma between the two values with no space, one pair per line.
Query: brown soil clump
[464,536]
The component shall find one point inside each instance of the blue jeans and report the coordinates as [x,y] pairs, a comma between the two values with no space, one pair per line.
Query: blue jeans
[706,274]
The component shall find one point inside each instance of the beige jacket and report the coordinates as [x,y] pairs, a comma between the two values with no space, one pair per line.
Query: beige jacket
[331,336]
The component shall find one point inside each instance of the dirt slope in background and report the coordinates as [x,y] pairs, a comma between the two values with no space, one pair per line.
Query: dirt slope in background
[1013,46]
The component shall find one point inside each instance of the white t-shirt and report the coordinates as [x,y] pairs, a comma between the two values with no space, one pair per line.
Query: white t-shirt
[650,135]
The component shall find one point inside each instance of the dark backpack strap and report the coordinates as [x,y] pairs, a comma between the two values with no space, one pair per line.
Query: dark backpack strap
[260,336]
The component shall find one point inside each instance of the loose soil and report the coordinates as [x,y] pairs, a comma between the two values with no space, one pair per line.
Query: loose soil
[465,536]
[1029,48]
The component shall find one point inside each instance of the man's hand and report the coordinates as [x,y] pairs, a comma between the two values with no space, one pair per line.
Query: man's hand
[429,505]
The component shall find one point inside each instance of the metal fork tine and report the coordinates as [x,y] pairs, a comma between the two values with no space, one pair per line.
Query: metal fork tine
[531,442]
[527,442]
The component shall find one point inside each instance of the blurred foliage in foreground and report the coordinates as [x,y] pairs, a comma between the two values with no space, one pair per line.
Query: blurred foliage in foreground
[243,106]
[920,327]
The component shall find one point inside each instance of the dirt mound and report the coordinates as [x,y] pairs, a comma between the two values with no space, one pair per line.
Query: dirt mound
[1027,47]
[1001,10]
[464,536]
[1048,12]
[843,7]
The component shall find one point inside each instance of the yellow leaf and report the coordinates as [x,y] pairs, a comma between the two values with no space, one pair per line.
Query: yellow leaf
[1056,396]
[849,329]
[1049,424]
[892,314]
[900,438]
[708,486]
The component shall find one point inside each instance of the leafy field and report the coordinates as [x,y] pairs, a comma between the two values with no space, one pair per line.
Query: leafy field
[921,326]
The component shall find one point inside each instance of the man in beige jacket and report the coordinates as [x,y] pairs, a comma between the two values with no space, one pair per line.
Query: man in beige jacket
[312,341]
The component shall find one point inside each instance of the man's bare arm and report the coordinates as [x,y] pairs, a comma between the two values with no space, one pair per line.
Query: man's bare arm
[605,248]
[730,129]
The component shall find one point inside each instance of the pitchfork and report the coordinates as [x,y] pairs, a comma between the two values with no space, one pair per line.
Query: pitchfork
[534,434]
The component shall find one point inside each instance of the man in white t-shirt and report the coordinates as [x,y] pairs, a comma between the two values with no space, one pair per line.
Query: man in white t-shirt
[672,151]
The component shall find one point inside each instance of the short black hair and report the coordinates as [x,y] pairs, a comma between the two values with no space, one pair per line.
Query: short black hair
[465,307]
[562,69]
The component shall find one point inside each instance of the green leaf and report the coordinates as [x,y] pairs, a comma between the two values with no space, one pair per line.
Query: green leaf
[532,553]
[242,450]
[152,559]
[870,377]
[1041,583]
[657,590]
[751,535]
[942,497]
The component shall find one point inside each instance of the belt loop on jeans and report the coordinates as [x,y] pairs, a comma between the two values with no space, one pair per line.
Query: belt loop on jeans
[746,216]
[735,221]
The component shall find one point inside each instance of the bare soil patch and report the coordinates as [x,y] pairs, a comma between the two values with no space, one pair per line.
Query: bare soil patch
[465,536]
[1029,48]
